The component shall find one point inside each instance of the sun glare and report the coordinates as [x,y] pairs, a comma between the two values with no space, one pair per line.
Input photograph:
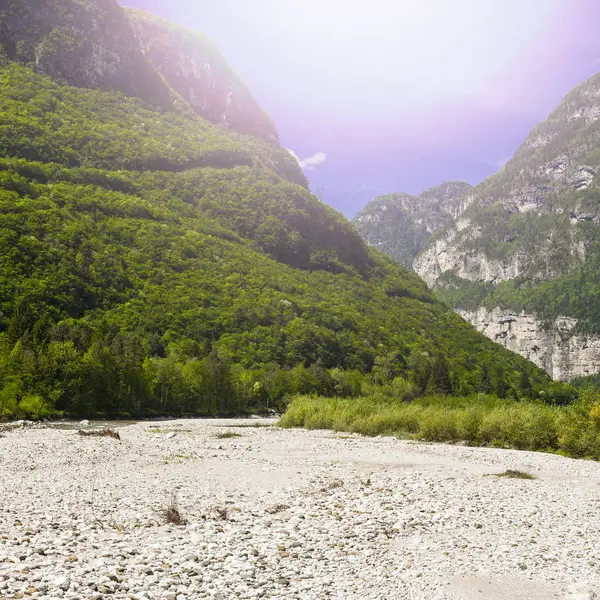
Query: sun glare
[443,49]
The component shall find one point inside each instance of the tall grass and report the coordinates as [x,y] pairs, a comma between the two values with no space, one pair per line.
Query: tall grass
[480,420]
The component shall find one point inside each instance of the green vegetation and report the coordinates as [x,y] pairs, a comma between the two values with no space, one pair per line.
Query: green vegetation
[590,381]
[576,294]
[227,435]
[154,263]
[539,216]
[388,223]
[573,430]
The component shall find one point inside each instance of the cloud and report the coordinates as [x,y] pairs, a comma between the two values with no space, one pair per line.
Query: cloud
[310,163]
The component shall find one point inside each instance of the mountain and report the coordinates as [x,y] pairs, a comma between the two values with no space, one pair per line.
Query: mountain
[195,69]
[82,43]
[98,44]
[155,261]
[521,258]
[401,224]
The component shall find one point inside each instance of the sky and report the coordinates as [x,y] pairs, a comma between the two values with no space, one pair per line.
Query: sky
[379,96]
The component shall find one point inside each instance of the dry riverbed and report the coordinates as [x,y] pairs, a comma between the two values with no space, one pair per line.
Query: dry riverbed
[289,514]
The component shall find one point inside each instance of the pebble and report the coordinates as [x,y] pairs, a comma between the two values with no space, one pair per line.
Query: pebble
[286,514]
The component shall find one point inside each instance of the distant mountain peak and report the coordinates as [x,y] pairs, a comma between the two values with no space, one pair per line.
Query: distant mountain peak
[400,224]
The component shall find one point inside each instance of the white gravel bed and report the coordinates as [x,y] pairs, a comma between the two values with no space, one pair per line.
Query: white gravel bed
[289,514]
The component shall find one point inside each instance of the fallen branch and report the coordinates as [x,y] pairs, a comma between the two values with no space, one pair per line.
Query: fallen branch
[102,433]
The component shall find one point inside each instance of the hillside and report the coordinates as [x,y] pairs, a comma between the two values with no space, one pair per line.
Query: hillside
[521,261]
[401,224]
[155,262]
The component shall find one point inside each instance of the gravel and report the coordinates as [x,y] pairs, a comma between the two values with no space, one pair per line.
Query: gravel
[289,514]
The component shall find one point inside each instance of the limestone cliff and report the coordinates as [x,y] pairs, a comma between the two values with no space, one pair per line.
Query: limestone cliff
[195,69]
[84,44]
[527,239]
[400,224]
[554,347]
[525,242]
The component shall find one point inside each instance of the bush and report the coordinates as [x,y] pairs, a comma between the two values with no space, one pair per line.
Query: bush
[9,402]
[34,407]
[481,420]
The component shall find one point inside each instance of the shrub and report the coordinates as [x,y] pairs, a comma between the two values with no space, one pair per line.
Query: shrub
[482,420]
[34,407]
[512,474]
[170,513]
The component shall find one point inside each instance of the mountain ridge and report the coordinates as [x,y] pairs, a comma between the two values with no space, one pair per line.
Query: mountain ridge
[400,224]
[154,262]
[519,257]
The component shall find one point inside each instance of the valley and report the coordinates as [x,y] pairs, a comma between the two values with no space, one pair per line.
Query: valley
[214,385]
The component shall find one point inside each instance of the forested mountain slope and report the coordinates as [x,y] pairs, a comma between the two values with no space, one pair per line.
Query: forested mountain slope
[521,260]
[154,262]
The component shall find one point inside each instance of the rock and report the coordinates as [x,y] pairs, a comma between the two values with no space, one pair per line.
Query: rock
[409,532]
[201,77]
[62,583]
[105,56]
[562,354]
[84,423]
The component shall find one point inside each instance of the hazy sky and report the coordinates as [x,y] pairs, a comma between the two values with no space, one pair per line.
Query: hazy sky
[379,96]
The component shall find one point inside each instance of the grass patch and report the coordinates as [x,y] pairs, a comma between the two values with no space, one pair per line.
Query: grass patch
[479,420]
[512,474]
[227,435]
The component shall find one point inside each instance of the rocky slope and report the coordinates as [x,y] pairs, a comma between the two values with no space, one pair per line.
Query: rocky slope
[556,347]
[401,224]
[87,44]
[195,69]
[526,242]
[92,44]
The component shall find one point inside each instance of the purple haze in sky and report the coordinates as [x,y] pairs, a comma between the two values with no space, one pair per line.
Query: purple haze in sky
[399,95]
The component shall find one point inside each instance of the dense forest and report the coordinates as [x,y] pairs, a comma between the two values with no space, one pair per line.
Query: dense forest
[155,263]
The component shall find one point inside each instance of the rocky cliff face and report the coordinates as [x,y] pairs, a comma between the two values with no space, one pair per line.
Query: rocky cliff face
[533,218]
[554,347]
[400,224]
[195,69]
[85,44]
[101,45]
[528,239]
